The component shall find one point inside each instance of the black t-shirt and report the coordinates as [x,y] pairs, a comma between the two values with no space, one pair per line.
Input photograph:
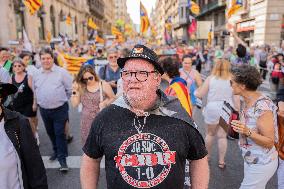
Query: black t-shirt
[154,158]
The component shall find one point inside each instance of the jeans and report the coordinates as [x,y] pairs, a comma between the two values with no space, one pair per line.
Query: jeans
[263,72]
[54,122]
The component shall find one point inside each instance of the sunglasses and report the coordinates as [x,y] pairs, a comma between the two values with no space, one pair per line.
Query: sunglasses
[85,80]
[19,66]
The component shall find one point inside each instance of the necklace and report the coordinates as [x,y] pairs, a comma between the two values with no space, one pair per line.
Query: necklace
[139,126]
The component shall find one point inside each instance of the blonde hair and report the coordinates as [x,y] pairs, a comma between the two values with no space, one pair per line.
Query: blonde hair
[221,69]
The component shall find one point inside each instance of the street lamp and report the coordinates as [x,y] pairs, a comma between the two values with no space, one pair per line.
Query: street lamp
[41,13]
[22,7]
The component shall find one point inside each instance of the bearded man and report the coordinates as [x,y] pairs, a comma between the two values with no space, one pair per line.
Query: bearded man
[144,136]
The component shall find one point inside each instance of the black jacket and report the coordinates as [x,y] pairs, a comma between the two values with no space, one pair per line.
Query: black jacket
[19,132]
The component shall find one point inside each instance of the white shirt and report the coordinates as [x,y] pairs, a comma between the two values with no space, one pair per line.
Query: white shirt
[9,176]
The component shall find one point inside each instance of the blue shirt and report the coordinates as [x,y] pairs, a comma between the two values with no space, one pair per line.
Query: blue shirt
[53,87]
[107,74]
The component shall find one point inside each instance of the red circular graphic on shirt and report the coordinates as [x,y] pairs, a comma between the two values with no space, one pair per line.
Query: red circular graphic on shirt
[144,160]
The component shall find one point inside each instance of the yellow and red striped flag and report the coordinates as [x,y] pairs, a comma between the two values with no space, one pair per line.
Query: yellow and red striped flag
[74,63]
[68,20]
[100,40]
[115,31]
[194,7]
[33,5]
[92,24]
[181,92]
[233,7]
[144,20]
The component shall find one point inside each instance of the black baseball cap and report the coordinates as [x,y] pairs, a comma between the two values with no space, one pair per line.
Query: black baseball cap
[7,89]
[142,52]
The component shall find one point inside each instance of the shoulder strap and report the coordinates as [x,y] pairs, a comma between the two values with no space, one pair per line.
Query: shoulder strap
[105,71]
[101,91]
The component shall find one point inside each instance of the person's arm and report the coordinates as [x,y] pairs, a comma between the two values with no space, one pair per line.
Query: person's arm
[75,97]
[198,79]
[265,137]
[197,154]
[199,173]
[237,38]
[31,158]
[203,89]
[30,83]
[90,172]
[67,82]
[107,90]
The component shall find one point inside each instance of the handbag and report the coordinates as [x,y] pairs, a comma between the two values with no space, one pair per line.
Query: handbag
[228,114]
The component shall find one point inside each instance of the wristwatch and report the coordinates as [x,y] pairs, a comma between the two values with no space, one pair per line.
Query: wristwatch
[249,133]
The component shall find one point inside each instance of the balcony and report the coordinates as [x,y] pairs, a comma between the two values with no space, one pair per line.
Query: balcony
[96,8]
[211,6]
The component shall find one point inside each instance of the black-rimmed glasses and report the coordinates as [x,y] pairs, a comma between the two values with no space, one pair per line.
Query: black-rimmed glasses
[139,75]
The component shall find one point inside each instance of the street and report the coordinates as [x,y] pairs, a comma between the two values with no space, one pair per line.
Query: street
[230,178]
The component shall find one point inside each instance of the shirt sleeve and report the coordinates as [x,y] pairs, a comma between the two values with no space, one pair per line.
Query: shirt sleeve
[67,82]
[197,149]
[93,146]
[5,76]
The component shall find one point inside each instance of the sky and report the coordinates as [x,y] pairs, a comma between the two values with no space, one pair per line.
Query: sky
[133,8]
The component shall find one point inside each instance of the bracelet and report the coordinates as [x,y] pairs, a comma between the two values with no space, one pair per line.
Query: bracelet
[249,133]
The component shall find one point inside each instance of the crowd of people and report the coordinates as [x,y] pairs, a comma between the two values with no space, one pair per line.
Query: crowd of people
[153,93]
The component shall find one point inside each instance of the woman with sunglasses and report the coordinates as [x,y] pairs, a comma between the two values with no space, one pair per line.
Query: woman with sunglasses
[23,100]
[257,128]
[93,93]
[219,80]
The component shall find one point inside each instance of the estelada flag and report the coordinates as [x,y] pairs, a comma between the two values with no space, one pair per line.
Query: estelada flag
[144,20]
[233,7]
[178,88]
[33,5]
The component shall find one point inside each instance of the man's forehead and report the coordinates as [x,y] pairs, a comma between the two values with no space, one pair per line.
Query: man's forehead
[138,63]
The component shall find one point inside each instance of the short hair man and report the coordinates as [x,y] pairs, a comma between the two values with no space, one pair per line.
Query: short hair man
[53,88]
[111,72]
[147,138]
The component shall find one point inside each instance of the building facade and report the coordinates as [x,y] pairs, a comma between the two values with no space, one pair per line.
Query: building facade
[121,10]
[260,22]
[50,19]
[214,11]
[108,16]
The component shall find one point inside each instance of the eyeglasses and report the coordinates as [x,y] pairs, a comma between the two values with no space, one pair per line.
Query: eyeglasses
[85,80]
[139,75]
[112,57]
[19,66]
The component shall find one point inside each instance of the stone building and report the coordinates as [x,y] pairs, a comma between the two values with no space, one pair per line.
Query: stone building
[260,22]
[51,18]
